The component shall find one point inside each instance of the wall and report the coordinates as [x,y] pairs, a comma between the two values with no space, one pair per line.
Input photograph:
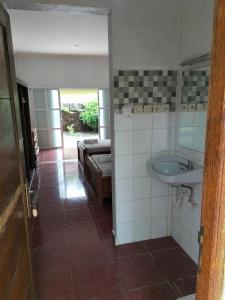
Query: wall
[143,205]
[63,71]
[145,34]
[195,28]
[144,37]
[195,39]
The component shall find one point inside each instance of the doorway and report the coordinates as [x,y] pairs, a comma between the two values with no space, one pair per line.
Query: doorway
[80,117]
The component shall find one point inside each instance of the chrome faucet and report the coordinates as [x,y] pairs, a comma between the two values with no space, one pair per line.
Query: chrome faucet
[188,165]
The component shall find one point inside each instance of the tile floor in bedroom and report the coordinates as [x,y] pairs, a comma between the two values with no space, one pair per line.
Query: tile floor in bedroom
[73,253]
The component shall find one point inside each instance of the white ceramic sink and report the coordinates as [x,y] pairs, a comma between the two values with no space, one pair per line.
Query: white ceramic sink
[175,170]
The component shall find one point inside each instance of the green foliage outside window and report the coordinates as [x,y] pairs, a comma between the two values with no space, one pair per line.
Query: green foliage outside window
[89,116]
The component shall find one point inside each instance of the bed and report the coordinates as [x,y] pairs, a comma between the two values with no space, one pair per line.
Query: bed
[90,147]
[98,177]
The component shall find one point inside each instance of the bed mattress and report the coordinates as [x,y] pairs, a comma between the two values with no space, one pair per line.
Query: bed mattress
[103,161]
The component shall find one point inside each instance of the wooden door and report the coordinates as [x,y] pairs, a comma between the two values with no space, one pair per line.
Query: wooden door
[212,258]
[15,262]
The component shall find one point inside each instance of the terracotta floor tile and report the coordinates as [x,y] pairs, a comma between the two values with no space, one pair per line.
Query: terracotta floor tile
[102,212]
[86,252]
[105,227]
[49,237]
[124,250]
[50,259]
[96,281]
[160,292]
[79,231]
[74,203]
[138,271]
[175,264]
[49,206]
[160,244]
[76,215]
[49,219]
[55,286]
[185,286]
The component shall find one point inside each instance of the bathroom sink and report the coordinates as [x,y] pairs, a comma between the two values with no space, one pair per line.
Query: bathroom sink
[175,170]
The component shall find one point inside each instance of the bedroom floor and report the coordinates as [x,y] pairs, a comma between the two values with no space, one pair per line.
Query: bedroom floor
[73,253]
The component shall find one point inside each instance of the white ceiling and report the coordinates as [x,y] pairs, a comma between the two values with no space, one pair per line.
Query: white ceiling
[42,32]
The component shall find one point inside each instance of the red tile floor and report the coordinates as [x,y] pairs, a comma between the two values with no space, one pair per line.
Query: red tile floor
[73,253]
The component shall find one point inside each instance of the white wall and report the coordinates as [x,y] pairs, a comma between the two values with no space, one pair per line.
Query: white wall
[145,34]
[196,20]
[63,71]
[143,204]
[195,28]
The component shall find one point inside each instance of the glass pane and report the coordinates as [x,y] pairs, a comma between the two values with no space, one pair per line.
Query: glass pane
[54,119]
[104,100]
[41,119]
[39,99]
[43,139]
[104,133]
[4,79]
[104,117]
[55,138]
[52,99]
[186,136]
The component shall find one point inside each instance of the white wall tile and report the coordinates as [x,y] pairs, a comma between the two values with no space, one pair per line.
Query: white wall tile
[161,120]
[159,188]
[124,166]
[140,161]
[124,189]
[172,138]
[122,122]
[142,121]
[160,207]
[186,242]
[173,119]
[142,188]
[125,211]
[186,119]
[176,213]
[176,231]
[123,142]
[142,141]
[187,217]
[159,228]
[160,140]
[125,233]
[142,230]
[200,118]
[142,209]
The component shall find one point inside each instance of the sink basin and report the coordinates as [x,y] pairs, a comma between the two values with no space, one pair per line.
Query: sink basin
[174,170]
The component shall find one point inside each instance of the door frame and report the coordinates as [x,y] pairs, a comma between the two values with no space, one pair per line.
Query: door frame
[46,109]
[14,104]
[212,237]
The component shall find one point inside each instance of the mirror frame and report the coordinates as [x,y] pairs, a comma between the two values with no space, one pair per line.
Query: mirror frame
[185,151]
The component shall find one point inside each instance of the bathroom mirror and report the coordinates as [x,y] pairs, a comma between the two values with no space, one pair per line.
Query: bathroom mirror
[192,109]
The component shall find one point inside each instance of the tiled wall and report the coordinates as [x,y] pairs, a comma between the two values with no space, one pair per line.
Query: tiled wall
[195,84]
[186,223]
[144,87]
[143,205]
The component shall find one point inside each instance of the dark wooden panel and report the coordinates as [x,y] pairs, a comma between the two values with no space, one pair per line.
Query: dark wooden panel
[15,263]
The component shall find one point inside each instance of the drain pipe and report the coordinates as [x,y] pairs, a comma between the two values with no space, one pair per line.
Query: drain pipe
[188,196]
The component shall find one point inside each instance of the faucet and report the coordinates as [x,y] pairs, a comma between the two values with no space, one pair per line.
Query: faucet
[188,165]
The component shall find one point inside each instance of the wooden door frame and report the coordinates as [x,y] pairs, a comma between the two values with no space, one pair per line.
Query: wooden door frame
[5,21]
[211,266]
